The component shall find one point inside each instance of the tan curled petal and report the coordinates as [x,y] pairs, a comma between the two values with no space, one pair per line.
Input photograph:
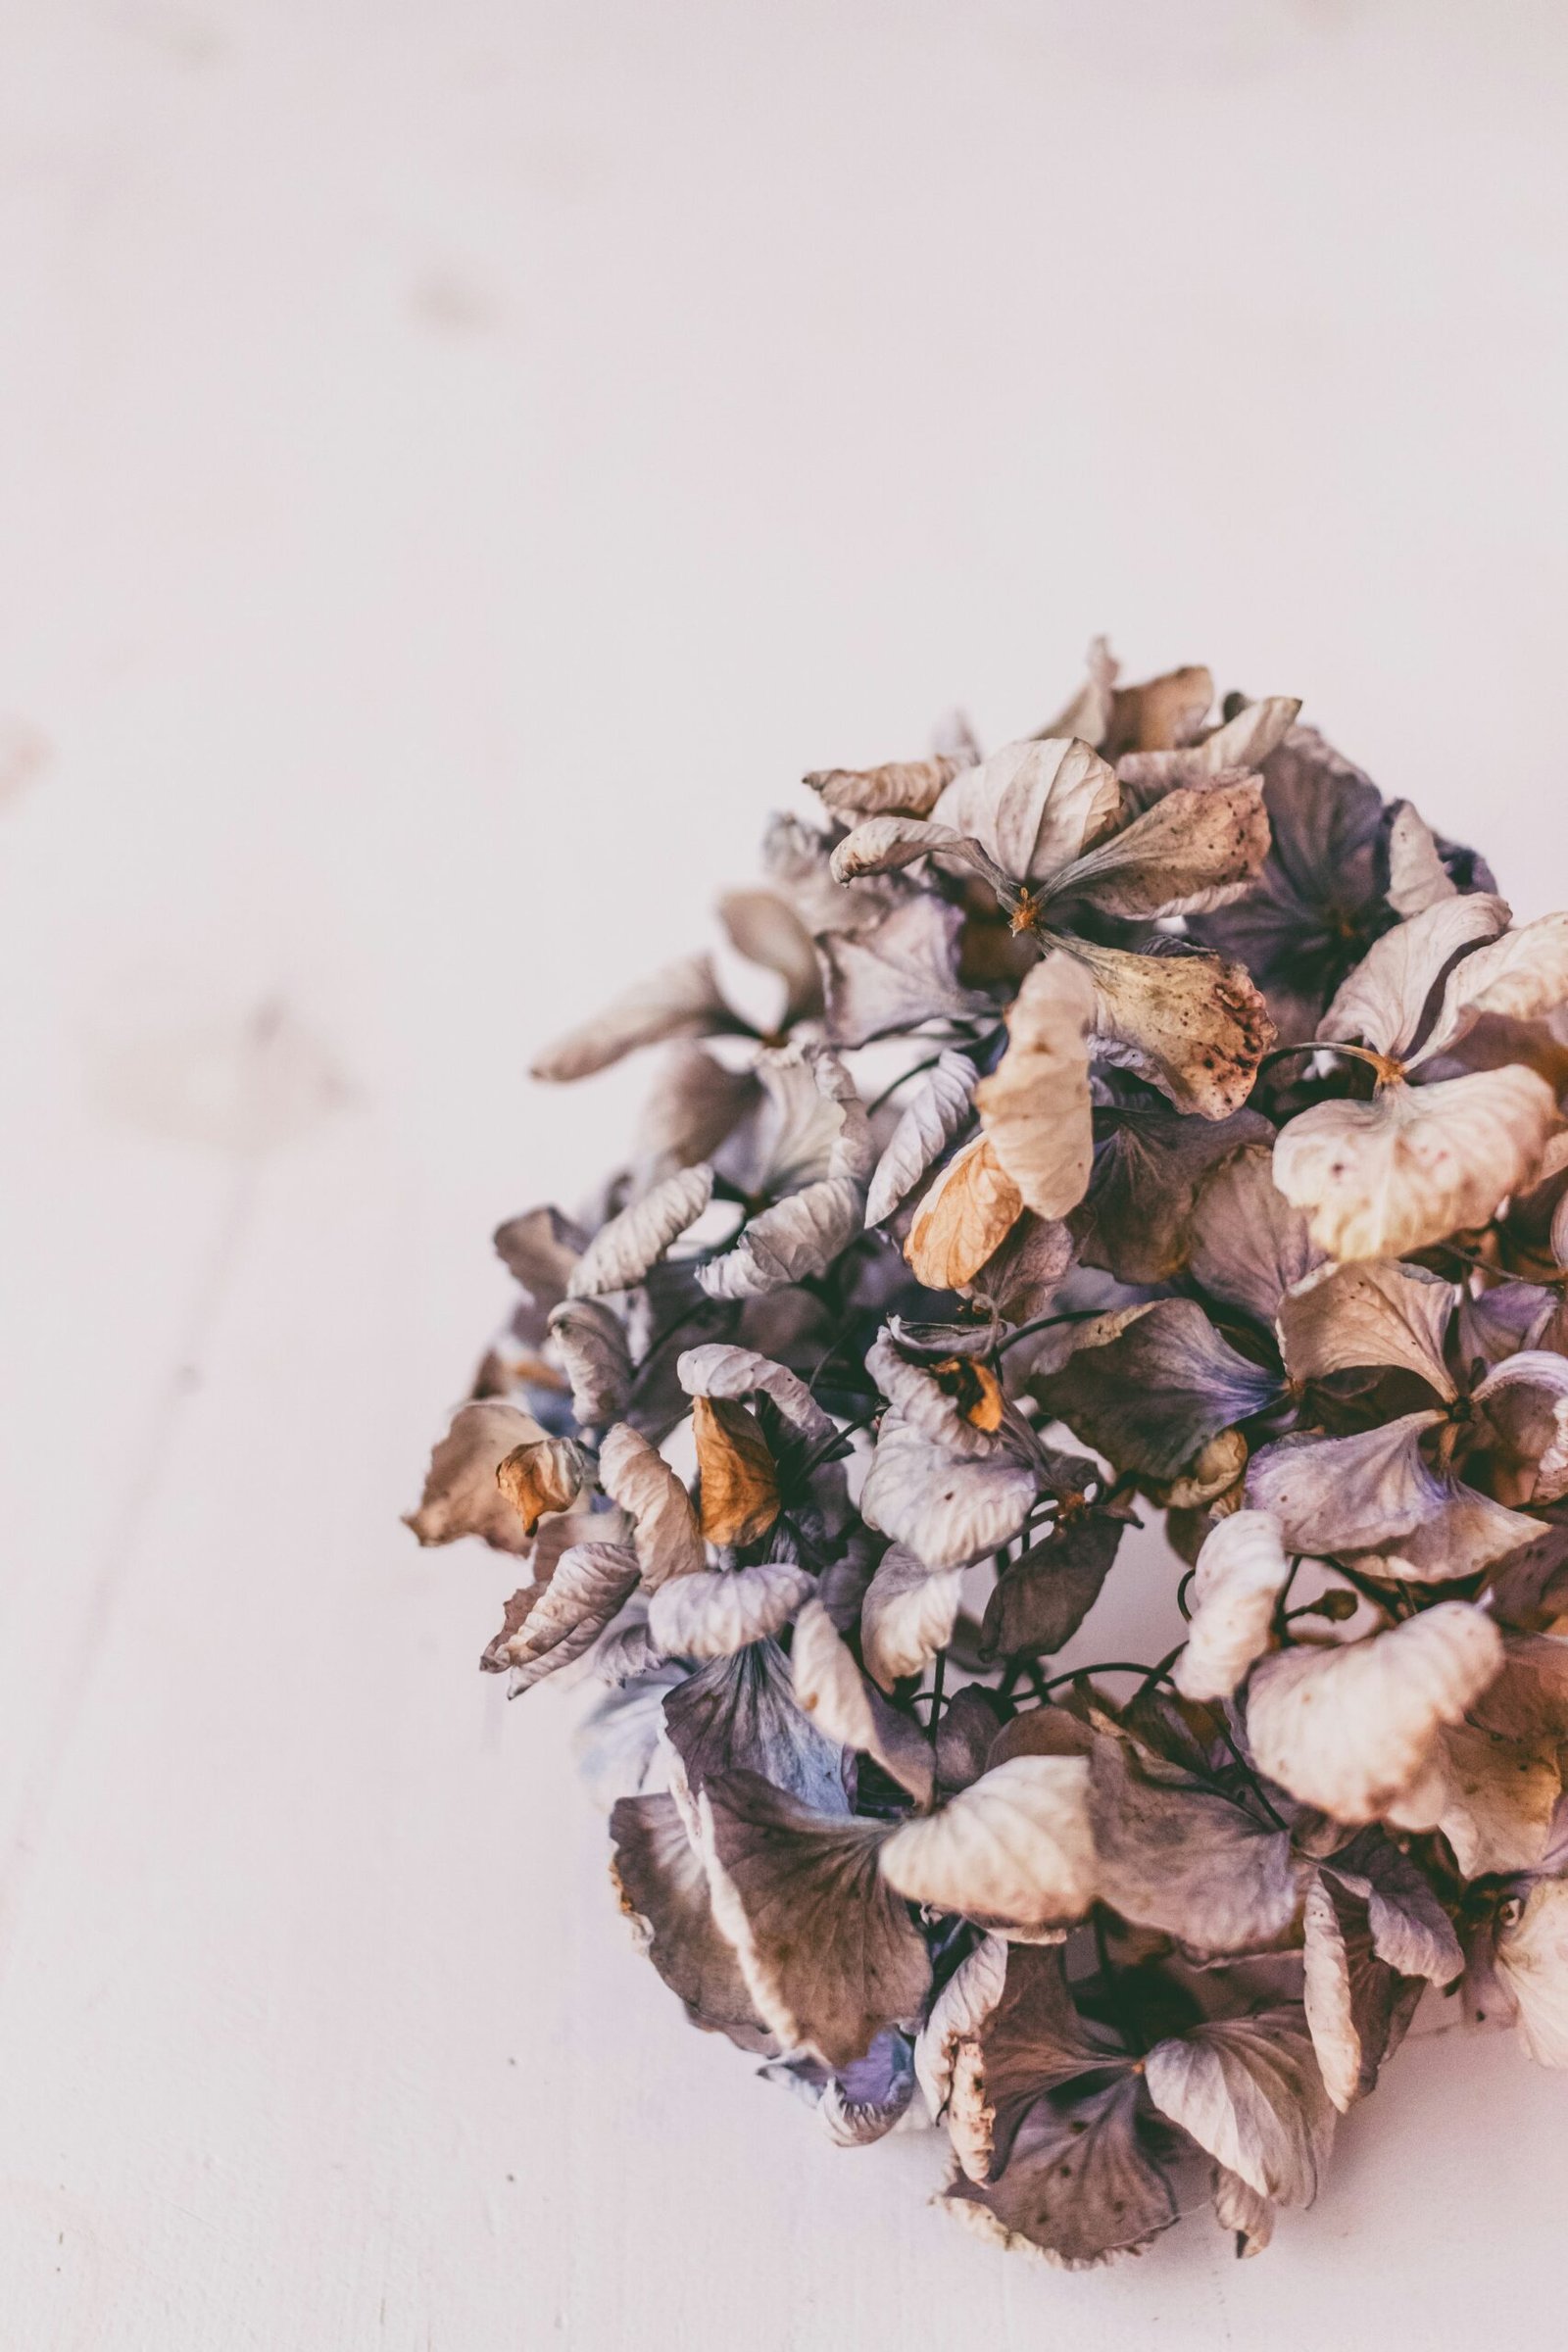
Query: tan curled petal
[460,1496]
[1194,1026]
[1353,1728]
[716,1612]
[1013,1850]
[1415,1163]
[542,1475]
[739,1491]
[883,845]
[831,1689]
[621,1252]
[1518,978]
[907,1615]
[1384,998]
[1197,848]
[636,1475]
[963,1219]
[1034,1107]
[1242,1571]
[549,1625]
[1368,1314]
[540,1249]
[683,999]
[898,788]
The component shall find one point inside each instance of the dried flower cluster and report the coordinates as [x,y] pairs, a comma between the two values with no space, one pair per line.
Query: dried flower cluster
[1154,1116]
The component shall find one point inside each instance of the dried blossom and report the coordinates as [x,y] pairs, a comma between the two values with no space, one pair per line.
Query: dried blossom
[1150,1084]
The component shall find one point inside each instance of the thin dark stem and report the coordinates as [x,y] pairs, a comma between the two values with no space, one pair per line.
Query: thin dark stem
[820,1454]
[937,1680]
[1086,1314]
[1497,1273]
[1242,1765]
[1181,1596]
[667,1334]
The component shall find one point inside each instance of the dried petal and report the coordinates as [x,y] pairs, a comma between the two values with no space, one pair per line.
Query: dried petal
[592,1346]
[1417,875]
[1246,1245]
[964,1218]
[1191,1025]
[935,1111]
[1043,1598]
[1149,1389]
[1415,1163]
[900,787]
[766,928]
[682,1000]
[900,974]
[1034,806]
[1533,1963]
[1384,997]
[636,1475]
[663,1884]
[739,1491]
[828,1949]
[548,1625]
[742,1711]
[1518,978]
[957,2013]
[544,1474]
[716,1611]
[944,1511]
[1012,1852]
[540,1249]
[1341,1318]
[460,1496]
[831,1687]
[1242,1571]
[906,1616]
[621,1251]
[1353,1728]
[1197,848]
[1034,1109]
[1248,2091]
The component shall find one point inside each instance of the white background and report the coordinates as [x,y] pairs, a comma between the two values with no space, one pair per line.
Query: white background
[459,462]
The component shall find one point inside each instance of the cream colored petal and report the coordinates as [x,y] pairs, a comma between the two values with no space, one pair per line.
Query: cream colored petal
[1526,1398]
[718,1369]
[636,1475]
[1518,978]
[883,845]
[832,1690]
[1349,1727]
[1499,1799]
[1384,998]
[683,999]
[1034,807]
[946,1512]
[1013,1851]
[767,930]
[1248,2090]
[1034,1107]
[958,2014]
[1533,1963]
[907,1615]
[1369,1312]
[898,788]
[1417,875]
[1415,1163]
[715,1612]
[937,1107]
[1192,1026]
[955,1400]
[1242,1571]
[787,1243]
[1248,739]
[621,1252]
[549,1625]
[692,1107]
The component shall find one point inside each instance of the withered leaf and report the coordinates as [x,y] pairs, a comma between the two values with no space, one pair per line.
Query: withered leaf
[739,1489]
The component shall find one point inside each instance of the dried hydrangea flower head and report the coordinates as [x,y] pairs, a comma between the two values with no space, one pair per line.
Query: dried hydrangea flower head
[1153,1119]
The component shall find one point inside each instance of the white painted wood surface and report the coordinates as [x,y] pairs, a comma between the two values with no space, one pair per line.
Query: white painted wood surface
[458,463]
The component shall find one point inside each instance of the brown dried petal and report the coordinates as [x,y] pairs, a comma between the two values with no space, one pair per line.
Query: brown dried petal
[1139,1217]
[828,1949]
[663,1884]
[1034,807]
[963,1219]
[540,1249]
[460,1496]
[937,1108]
[898,788]
[1192,1026]
[739,1491]
[1371,1312]
[1042,1599]
[544,1474]
[1197,848]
